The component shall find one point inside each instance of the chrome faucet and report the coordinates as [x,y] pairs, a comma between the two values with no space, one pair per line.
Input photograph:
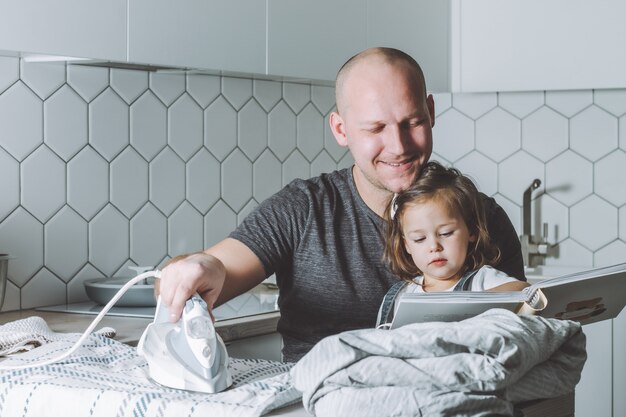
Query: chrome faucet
[530,247]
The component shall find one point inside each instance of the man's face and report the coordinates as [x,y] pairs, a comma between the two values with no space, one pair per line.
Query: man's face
[386,122]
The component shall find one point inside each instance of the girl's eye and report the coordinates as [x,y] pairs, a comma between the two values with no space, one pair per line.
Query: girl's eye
[446,234]
[418,240]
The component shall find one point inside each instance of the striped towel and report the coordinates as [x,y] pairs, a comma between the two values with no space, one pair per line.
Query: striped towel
[106,378]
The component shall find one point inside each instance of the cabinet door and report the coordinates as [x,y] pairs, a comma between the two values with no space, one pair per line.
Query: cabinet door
[420,28]
[313,38]
[77,28]
[594,392]
[211,34]
[541,45]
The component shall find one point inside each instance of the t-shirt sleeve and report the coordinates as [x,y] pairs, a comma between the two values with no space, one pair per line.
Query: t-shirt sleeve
[504,236]
[487,278]
[272,230]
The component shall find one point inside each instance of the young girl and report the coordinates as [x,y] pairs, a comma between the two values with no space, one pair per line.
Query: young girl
[437,239]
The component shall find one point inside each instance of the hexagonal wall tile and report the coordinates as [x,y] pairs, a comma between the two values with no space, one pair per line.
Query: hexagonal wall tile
[65,122]
[43,183]
[108,124]
[453,135]
[108,240]
[267,93]
[570,253]
[9,184]
[310,132]
[613,101]
[323,98]
[185,233]
[498,134]
[593,222]
[236,180]
[218,223]
[203,181]
[43,289]
[9,72]
[515,174]
[474,104]
[443,101]
[148,231]
[87,183]
[220,128]
[521,104]
[237,91]
[21,118]
[11,297]
[21,236]
[148,125]
[76,287]
[129,84]
[252,123]
[246,210]
[65,243]
[622,132]
[167,86]
[569,178]
[545,134]
[87,81]
[609,175]
[167,181]
[282,130]
[482,170]
[185,127]
[612,254]
[203,88]
[622,223]
[296,95]
[568,103]
[593,133]
[295,166]
[322,163]
[547,210]
[44,78]
[346,162]
[129,176]
[266,175]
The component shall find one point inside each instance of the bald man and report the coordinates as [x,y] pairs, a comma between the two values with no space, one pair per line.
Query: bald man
[323,237]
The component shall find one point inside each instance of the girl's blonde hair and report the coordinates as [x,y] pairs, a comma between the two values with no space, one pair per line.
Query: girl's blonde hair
[456,192]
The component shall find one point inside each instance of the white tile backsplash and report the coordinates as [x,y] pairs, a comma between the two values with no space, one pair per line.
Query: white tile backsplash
[104,168]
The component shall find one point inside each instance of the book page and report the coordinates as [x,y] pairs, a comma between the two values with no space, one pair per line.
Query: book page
[586,297]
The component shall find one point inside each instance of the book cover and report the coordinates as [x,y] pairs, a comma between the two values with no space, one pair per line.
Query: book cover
[587,297]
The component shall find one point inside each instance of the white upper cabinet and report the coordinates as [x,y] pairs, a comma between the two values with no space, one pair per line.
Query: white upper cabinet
[77,28]
[540,45]
[420,28]
[312,38]
[210,34]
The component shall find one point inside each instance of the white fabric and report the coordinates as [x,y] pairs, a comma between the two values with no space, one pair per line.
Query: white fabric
[106,378]
[31,332]
[476,367]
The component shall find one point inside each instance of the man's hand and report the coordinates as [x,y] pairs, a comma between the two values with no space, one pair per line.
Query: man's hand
[185,275]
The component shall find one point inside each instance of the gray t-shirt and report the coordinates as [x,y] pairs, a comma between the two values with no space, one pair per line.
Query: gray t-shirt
[325,246]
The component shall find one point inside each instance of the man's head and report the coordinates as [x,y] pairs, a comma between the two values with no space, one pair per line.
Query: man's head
[385,118]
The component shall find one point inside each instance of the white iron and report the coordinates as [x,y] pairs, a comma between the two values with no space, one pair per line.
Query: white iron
[189,354]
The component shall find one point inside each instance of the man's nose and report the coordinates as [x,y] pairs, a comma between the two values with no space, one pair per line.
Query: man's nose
[396,140]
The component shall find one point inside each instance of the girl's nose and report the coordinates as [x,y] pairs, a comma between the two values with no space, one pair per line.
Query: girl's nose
[435,246]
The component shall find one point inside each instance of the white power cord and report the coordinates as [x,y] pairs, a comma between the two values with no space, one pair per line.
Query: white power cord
[156,273]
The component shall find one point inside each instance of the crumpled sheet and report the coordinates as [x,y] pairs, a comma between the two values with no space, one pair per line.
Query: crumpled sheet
[476,367]
[106,378]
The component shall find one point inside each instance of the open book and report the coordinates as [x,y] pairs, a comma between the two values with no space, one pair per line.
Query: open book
[588,296]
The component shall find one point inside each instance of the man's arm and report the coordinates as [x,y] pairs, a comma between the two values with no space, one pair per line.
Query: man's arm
[218,274]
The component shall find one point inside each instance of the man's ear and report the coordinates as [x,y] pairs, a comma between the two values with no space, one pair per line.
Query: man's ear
[338,127]
[430,103]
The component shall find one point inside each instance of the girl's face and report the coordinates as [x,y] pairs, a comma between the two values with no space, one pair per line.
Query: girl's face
[437,239]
